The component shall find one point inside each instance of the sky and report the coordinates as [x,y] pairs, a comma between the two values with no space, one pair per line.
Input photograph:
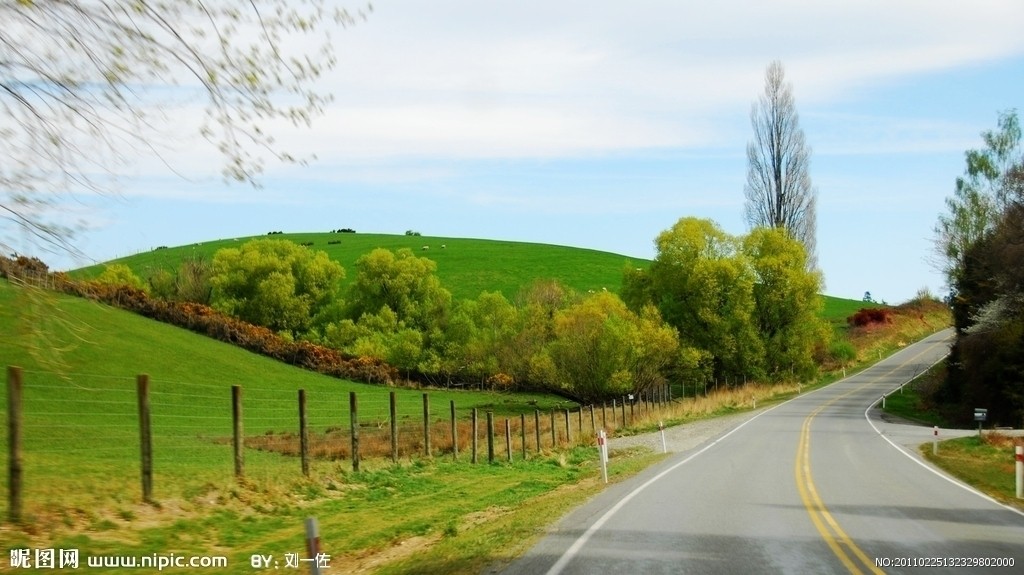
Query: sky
[600,124]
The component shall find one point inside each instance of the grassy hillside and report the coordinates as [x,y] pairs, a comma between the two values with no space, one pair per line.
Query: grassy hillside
[80,407]
[466,267]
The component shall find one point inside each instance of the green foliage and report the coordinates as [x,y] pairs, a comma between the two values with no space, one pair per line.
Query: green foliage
[274,283]
[744,307]
[787,306]
[120,275]
[189,282]
[480,336]
[984,263]
[703,287]
[403,283]
[980,195]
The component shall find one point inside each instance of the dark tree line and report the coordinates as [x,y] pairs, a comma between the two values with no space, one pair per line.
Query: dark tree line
[985,268]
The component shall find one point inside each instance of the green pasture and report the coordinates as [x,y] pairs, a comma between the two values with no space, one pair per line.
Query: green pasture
[466,267]
[80,414]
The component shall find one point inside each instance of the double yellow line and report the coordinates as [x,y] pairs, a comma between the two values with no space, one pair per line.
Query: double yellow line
[837,539]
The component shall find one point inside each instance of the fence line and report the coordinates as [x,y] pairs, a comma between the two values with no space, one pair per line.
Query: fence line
[152,430]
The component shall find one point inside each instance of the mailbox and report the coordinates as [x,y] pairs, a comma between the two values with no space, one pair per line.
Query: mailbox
[980,414]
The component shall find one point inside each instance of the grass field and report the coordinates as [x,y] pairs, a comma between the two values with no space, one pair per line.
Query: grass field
[81,454]
[466,267]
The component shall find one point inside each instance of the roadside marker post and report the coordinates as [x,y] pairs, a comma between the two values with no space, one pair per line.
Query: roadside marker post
[1019,454]
[935,440]
[661,428]
[602,448]
[313,545]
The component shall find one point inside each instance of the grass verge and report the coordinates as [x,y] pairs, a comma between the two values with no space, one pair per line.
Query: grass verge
[985,463]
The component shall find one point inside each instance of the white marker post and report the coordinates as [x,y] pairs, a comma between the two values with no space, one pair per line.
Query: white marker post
[1019,453]
[664,446]
[313,545]
[602,450]
[935,440]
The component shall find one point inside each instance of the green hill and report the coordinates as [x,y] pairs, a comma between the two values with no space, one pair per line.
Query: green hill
[466,267]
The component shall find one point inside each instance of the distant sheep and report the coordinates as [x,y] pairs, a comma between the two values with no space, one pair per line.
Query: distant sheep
[425,248]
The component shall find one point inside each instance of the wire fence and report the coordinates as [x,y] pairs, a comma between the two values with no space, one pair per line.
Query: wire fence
[103,436]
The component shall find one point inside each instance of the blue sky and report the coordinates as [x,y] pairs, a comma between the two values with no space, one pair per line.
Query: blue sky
[599,124]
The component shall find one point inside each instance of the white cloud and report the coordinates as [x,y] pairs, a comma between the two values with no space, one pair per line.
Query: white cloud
[470,80]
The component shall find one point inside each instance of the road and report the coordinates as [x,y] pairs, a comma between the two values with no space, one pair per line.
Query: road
[814,485]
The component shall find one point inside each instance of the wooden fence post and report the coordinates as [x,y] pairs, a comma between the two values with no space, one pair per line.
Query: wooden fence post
[536,427]
[475,435]
[490,437]
[14,444]
[568,428]
[624,423]
[394,429]
[145,437]
[522,432]
[238,431]
[353,407]
[614,409]
[593,421]
[426,424]
[455,434]
[604,415]
[303,434]
[554,434]
[580,414]
[508,439]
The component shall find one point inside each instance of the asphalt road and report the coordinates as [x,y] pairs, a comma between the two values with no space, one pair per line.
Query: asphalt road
[815,485]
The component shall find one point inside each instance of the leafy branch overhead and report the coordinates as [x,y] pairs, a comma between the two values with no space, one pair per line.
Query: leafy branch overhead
[85,86]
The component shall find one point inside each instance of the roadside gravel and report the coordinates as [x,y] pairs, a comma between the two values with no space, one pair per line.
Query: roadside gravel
[683,437]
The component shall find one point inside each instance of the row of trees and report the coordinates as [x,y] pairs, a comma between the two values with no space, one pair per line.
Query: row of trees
[711,306]
[980,241]
[745,307]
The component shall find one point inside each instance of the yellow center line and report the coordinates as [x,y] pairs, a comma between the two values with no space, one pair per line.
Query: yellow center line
[837,539]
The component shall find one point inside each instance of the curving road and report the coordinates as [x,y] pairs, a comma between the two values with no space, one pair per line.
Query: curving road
[814,485]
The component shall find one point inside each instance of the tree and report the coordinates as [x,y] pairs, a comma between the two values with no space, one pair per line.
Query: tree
[981,244]
[787,303]
[405,284]
[601,349]
[275,283]
[702,285]
[120,275]
[980,196]
[85,86]
[778,191]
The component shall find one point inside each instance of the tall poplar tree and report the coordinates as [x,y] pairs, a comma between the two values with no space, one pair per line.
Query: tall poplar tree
[779,192]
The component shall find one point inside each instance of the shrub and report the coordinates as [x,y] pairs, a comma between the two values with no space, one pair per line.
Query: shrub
[842,351]
[871,315]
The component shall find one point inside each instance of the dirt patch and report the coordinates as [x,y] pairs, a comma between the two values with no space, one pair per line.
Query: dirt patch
[370,560]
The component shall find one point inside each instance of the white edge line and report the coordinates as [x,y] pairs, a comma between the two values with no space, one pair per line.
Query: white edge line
[574,549]
[927,466]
